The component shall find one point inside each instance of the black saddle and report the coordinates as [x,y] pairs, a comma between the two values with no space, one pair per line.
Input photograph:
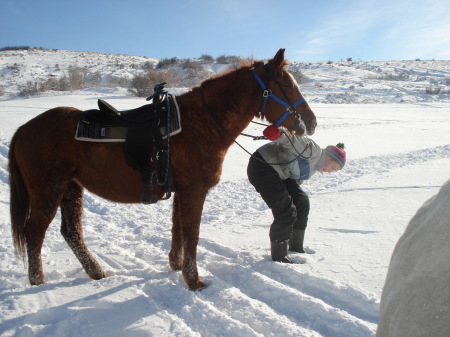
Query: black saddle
[109,116]
[143,130]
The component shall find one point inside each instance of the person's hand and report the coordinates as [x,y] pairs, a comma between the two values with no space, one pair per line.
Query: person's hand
[272,132]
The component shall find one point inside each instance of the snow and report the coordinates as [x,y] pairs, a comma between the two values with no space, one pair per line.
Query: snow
[398,157]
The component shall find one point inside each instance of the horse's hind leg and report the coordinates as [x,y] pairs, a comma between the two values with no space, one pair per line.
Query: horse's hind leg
[72,230]
[44,202]
[35,228]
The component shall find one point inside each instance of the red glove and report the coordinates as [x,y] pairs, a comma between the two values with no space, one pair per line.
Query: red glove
[272,132]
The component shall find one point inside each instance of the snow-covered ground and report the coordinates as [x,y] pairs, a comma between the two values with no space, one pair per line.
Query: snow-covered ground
[398,157]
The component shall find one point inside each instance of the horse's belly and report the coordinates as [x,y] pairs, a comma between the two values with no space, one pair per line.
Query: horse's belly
[102,170]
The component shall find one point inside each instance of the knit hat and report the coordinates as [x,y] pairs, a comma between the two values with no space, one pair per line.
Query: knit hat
[337,153]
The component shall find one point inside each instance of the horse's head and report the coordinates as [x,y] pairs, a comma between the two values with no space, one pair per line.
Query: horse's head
[282,102]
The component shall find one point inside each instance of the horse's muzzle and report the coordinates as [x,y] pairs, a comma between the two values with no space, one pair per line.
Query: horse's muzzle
[300,127]
[313,127]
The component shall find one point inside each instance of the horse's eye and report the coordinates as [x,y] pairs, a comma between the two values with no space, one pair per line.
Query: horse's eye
[288,85]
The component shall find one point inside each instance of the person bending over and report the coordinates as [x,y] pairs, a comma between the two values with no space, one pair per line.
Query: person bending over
[276,170]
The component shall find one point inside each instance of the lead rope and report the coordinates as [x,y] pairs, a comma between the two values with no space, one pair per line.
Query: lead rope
[255,137]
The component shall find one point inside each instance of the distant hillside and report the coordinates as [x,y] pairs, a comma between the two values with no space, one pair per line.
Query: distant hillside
[34,71]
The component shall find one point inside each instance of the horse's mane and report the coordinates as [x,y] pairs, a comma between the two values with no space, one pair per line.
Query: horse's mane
[244,65]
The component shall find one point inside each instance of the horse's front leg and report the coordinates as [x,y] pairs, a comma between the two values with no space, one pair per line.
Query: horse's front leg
[176,251]
[190,207]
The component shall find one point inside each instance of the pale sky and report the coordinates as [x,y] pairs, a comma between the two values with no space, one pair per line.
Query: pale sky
[320,30]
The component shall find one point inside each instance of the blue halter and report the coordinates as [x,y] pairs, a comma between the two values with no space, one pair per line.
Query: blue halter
[269,94]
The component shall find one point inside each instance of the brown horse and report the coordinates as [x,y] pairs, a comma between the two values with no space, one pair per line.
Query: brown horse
[49,168]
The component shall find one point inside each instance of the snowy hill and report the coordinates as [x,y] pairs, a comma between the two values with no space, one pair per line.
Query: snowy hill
[378,82]
[331,82]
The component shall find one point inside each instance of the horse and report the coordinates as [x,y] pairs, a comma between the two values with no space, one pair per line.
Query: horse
[49,168]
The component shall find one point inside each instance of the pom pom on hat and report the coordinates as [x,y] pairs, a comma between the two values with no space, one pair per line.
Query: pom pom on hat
[337,153]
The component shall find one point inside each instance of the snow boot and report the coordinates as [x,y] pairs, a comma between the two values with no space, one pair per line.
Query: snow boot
[279,251]
[296,241]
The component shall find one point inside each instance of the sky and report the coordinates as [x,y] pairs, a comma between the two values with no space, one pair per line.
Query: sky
[310,31]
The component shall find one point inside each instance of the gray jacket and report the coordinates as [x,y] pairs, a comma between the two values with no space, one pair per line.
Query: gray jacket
[287,148]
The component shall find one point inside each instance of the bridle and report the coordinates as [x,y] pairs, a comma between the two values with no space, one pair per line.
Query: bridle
[290,108]
[267,93]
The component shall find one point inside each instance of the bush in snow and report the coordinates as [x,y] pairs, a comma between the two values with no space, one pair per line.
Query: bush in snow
[142,85]
[30,88]
[233,61]
[117,82]
[166,63]
[94,80]
[193,73]
[76,78]
[227,59]
[397,76]
[56,84]
[207,58]
[15,48]
[298,75]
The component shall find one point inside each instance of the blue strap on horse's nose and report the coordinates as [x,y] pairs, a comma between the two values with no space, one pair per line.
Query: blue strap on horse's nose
[283,103]
[268,93]
[300,101]
[288,112]
[282,118]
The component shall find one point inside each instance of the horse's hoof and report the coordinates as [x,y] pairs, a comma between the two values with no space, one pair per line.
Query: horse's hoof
[37,280]
[175,266]
[36,283]
[99,275]
[174,261]
[199,286]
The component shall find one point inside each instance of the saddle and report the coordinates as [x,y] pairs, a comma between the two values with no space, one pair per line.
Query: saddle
[146,133]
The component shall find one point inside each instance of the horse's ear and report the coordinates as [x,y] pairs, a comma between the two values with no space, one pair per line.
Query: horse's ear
[278,60]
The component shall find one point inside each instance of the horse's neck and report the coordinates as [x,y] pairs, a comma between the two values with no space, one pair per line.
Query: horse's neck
[225,107]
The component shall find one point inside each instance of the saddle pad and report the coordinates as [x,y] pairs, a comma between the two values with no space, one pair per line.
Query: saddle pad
[96,132]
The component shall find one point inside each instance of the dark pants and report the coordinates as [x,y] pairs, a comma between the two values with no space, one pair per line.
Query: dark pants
[288,202]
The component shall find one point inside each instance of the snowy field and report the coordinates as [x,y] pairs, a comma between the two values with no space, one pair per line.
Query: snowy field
[398,157]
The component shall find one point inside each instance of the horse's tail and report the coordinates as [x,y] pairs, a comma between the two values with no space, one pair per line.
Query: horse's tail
[19,202]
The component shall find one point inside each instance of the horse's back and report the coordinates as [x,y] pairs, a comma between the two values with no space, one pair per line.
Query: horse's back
[54,117]
[55,124]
